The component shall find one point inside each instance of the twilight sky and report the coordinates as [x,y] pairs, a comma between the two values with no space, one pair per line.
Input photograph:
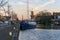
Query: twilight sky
[19,6]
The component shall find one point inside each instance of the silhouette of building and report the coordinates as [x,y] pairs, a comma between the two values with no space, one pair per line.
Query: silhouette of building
[32,14]
[56,15]
[56,18]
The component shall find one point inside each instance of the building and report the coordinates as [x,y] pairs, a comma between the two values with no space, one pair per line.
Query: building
[32,14]
[56,15]
[56,18]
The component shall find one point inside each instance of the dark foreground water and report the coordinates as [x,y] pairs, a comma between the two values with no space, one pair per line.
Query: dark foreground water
[39,34]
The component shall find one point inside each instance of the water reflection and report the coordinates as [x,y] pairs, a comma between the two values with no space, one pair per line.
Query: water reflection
[52,26]
[39,34]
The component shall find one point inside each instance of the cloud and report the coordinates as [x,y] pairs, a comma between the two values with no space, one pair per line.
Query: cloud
[49,2]
[44,5]
[21,9]
[21,3]
[22,6]
[34,1]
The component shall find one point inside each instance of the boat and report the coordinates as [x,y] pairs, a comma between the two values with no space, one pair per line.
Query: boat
[27,24]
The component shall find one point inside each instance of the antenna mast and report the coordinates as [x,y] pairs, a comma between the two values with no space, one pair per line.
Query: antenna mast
[28,8]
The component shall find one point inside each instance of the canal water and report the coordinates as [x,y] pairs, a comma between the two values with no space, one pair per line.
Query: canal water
[39,34]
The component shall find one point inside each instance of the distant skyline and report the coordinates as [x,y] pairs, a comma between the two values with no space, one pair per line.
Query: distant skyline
[20,6]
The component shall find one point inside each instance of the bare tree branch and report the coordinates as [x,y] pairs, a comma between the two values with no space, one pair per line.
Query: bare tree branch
[4,4]
[1,2]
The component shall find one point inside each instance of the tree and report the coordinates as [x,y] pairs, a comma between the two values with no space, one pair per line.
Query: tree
[2,5]
[13,16]
[43,18]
